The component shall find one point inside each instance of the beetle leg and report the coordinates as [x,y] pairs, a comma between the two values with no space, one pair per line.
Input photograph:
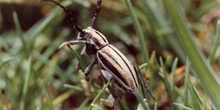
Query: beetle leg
[143,80]
[114,93]
[107,75]
[68,43]
[115,77]
[72,42]
[89,68]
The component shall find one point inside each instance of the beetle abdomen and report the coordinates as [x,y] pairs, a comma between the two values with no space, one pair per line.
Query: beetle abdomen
[111,59]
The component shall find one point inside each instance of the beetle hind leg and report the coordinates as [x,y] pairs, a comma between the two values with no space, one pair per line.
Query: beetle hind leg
[143,80]
[111,88]
[114,93]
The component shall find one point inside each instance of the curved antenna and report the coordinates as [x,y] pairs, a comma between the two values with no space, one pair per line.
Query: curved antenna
[97,10]
[70,14]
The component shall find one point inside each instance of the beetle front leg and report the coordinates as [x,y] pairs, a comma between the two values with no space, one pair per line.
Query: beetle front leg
[72,42]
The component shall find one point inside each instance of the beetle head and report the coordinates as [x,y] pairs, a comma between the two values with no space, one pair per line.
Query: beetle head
[93,37]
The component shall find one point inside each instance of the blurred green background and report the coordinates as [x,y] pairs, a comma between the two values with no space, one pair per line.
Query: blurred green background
[175,42]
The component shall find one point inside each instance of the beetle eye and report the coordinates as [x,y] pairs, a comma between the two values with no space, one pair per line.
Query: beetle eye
[81,34]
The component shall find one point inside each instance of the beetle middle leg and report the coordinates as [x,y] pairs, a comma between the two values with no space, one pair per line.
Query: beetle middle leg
[89,68]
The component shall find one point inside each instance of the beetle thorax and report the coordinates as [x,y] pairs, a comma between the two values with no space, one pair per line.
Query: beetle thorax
[93,37]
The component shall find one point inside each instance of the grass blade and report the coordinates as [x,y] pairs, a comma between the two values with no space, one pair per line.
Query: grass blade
[141,100]
[186,82]
[98,95]
[78,58]
[204,72]
[172,85]
[75,88]
[25,86]
[182,106]
[139,31]
[216,43]
[18,28]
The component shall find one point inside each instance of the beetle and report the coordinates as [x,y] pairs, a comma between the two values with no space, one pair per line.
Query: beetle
[115,67]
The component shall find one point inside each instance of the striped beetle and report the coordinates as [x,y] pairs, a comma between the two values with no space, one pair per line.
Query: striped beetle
[115,67]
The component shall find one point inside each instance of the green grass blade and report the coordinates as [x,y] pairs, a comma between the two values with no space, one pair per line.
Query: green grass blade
[5,62]
[139,31]
[83,104]
[141,100]
[182,106]
[172,83]
[164,73]
[43,58]
[216,43]
[98,95]
[25,86]
[61,98]
[204,72]
[167,83]
[200,99]
[78,58]
[49,105]
[18,28]
[75,88]
[158,18]
[186,82]
[205,8]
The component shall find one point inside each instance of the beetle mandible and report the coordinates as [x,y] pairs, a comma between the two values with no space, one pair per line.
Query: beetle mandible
[115,67]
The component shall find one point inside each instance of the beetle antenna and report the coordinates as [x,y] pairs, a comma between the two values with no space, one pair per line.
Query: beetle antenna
[70,15]
[97,10]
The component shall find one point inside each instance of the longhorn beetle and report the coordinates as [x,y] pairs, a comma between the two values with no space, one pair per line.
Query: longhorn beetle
[115,67]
